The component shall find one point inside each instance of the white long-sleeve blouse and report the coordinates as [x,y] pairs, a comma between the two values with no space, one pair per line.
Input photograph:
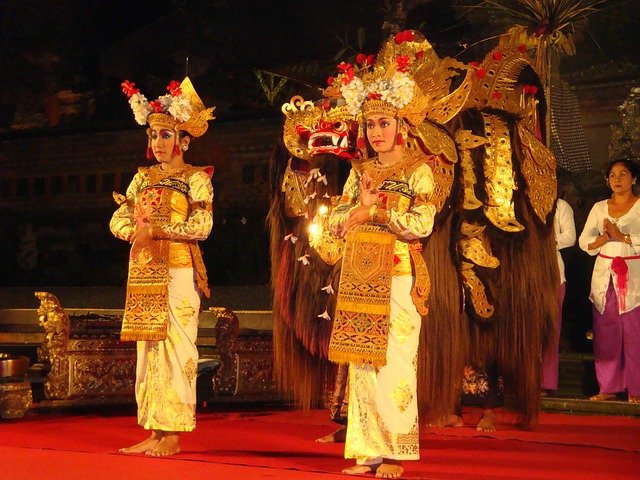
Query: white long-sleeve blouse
[565,230]
[629,223]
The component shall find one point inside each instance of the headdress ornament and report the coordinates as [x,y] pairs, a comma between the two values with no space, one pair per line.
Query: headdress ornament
[406,79]
[180,110]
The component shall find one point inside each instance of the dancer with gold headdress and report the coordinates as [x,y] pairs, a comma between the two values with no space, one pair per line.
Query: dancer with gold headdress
[166,211]
[388,206]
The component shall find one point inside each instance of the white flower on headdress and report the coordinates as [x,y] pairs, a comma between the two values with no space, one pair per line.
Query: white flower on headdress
[354,95]
[397,90]
[180,108]
[141,108]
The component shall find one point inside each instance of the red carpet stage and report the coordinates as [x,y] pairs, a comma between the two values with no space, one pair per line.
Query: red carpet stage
[280,445]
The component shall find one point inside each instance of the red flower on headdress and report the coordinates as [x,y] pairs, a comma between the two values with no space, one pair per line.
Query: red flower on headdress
[419,55]
[129,88]
[522,48]
[364,59]
[330,80]
[497,56]
[374,96]
[174,88]
[344,66]
[347,72]
[404,36]
[496,95]
[402,63]
[156,105]
[530,89]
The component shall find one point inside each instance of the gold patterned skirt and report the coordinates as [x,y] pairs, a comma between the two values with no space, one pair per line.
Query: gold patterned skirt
[383,407]
[167,369]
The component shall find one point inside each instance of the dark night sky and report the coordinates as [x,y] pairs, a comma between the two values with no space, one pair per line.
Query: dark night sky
[90,46]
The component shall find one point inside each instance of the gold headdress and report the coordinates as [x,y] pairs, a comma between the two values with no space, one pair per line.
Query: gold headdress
[407,80]
[179,110]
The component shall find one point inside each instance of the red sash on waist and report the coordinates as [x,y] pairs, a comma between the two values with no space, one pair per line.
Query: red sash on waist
[621,269]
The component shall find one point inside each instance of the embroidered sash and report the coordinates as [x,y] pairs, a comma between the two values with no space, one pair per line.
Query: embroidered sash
[361,324]
[146,312]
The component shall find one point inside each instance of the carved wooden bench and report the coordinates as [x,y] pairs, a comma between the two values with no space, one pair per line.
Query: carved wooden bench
[84,362]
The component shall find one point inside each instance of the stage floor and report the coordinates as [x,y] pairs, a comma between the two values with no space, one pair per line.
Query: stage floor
[279,444]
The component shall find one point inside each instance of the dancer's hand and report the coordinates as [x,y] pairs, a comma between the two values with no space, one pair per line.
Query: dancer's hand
[368,195]
[357,217]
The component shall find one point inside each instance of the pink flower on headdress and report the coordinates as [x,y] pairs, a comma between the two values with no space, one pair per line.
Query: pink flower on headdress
[402,63]
[129,88]
[156,105]
[174,88]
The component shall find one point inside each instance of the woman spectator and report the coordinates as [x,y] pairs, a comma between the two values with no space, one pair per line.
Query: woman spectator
[612,232]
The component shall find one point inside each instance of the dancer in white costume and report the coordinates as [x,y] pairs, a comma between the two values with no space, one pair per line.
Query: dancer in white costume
[166,211]
[384,212]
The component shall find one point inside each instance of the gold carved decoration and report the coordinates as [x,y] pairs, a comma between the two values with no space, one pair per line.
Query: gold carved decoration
[477,292]
[467,141]
[539,169]
[474,249]
[428,137]
[499,177]
[298,112]
[327,246]
[295,192]
[498,88]
[55,321]
[83,366]
[15,399]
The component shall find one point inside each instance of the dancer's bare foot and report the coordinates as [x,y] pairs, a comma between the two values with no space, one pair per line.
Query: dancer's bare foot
[487,422]
[336,437]
[144,445]
[361,469]
[451,420]
[389,469]
[603,397]
[169,444]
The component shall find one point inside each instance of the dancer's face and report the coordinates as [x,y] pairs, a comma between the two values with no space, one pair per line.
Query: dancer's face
[381,132]
[162,142]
